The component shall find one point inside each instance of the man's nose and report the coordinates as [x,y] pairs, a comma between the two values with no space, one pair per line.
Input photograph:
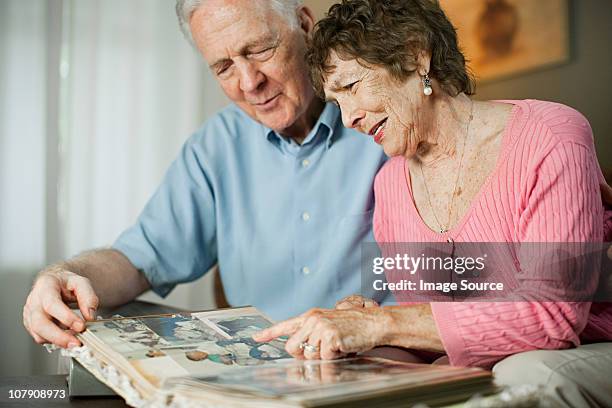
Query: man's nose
[251,77]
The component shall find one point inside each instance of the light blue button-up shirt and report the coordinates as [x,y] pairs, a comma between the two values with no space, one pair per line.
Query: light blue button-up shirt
[284,221]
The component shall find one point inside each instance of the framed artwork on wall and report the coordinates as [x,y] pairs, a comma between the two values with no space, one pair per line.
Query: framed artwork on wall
[506,37]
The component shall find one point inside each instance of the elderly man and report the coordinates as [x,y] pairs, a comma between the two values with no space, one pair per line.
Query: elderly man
[268,188]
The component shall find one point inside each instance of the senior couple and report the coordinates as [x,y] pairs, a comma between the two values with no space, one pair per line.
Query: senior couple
[281,195]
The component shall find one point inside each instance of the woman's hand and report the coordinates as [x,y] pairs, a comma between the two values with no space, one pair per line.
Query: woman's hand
[330,334]
[355,302]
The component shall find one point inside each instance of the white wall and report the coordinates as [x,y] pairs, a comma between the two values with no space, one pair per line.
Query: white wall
[22,141]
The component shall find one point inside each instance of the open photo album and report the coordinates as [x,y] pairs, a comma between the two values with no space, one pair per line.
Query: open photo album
[203,359]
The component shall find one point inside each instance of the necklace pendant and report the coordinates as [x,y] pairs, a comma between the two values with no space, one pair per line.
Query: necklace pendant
[442,231]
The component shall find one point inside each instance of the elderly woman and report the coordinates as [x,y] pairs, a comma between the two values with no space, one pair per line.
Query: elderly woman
[461,171]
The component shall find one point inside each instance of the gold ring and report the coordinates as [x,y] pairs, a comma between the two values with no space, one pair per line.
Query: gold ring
[308,347]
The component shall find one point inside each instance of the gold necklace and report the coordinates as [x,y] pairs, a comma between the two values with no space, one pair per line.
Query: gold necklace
[451,204]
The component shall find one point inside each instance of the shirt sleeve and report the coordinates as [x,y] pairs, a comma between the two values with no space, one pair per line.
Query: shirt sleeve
[174,238]
[563,205]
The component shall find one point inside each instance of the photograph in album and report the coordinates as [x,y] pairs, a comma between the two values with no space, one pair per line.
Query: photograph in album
[203,358]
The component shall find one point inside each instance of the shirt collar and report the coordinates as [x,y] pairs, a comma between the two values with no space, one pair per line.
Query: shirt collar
[328,119]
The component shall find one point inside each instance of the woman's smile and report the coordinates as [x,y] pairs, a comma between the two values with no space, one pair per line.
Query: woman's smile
[378,131]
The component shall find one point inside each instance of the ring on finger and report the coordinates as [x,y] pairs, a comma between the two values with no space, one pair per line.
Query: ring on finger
[308,347]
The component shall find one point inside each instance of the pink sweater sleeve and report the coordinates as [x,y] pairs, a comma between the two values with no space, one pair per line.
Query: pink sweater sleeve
[558,207]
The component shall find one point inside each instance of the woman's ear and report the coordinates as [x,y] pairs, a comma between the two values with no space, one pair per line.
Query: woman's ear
[306,19]
[423,63]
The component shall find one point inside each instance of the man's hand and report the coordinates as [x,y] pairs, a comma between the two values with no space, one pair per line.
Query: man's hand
[46,315]
[355,301]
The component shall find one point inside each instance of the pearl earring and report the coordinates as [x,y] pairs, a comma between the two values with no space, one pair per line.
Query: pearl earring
[427,89]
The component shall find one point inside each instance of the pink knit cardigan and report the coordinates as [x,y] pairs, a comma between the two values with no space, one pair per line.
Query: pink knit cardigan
[544,188]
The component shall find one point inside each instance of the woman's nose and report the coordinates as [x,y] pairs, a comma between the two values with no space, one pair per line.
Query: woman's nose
[353,118]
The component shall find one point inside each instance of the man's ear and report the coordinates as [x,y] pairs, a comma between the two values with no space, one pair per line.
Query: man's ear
[306,19]
[423,63]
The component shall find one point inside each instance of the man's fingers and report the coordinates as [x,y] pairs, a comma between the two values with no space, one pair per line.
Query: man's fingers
[44,328]
[26,323]
[37,338]
[45,309]
[286,328]
[86,297]
[55,308]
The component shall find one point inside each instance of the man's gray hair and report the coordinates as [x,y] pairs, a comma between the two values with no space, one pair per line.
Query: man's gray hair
[185,8]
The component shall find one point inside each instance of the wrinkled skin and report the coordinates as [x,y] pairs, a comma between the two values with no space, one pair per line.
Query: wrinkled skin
[335,332]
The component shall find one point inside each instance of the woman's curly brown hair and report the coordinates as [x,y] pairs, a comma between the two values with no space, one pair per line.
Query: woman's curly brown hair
[390,34]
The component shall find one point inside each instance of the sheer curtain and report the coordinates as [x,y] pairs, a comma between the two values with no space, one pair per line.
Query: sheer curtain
[132,91]
[96,98]
[23,62]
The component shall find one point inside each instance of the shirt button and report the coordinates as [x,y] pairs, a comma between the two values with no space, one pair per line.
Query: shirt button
[305,216]
[306,270]
[305,163]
